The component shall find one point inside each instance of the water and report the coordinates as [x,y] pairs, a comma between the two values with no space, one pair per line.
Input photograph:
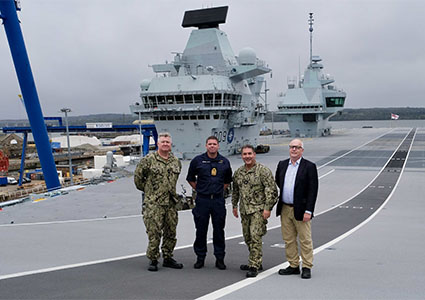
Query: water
[359,124]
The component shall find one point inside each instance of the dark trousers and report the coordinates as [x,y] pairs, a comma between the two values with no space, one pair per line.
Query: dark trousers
[206,207]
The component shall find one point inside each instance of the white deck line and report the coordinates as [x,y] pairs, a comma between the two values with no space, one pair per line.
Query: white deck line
[243,283]
[136,216]
[331,161]
[249,281]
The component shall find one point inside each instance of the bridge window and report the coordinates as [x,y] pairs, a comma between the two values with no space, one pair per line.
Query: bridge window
[234,100]
[161,100]
[170,118]
[178,117]
[162,118]
[185,117]
[216,117]
[192,117]
[179,99]
[188,99]
[239,100]
[217,100]
[145,102]
[152,101]
[201,117]
[209,98]
[227,100]
[170,99]
[198,98]
[335,101]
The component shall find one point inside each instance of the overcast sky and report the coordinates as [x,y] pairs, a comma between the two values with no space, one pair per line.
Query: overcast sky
[91,55]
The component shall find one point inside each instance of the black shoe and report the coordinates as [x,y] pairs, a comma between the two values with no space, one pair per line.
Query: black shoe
[306,273]
[171,263]
[289,271]
[253,272]
[199,263]
[219,263]
[246,268]
[153,266]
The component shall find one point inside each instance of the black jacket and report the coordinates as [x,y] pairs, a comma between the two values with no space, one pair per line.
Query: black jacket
[305,189]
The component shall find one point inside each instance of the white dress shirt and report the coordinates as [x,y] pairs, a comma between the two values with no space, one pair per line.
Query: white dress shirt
[289,184]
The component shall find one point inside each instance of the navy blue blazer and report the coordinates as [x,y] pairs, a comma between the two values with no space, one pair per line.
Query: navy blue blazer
[305,189]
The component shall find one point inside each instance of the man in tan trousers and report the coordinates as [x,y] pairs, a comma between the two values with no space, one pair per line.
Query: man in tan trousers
[298,182]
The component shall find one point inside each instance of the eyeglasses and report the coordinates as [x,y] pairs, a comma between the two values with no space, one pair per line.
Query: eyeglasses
[295,147]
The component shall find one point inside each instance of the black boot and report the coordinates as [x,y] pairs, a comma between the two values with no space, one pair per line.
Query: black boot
[306,273]
[199,263]
[153,266]
[246,267]
[171,263]
[253,272]
[219,263]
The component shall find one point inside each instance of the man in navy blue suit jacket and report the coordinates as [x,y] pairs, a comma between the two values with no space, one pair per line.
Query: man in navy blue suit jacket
[298,183]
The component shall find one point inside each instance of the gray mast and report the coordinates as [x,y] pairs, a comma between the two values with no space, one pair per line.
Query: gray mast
[309,105]
[310,22]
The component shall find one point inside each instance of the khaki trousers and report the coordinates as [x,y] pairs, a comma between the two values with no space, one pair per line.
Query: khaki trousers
[292,228]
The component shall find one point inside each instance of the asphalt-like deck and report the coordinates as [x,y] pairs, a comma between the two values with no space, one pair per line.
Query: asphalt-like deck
[91,243]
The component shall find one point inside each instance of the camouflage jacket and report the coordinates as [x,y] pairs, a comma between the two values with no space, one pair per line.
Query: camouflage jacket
[254,189]
[157,177]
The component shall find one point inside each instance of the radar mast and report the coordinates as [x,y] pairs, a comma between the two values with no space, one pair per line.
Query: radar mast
[309,105]
[310,22]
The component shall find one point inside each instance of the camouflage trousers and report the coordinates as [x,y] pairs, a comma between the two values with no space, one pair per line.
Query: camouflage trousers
[254,227]
[160,221]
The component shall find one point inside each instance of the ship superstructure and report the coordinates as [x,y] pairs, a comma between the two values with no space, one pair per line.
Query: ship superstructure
[206,90]
[312,100]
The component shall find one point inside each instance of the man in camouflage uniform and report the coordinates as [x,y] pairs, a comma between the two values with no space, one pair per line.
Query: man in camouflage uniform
[255,190]
[156,175]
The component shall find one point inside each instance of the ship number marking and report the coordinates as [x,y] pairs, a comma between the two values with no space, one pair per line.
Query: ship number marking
[221,135]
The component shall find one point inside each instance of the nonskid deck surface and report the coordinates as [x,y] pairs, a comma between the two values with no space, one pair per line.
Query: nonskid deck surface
[362,167]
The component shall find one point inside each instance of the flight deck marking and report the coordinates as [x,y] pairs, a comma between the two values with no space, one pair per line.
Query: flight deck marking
[138,254]
[245,282]
[72,221]
[39,199]
[369,185]
[225,290]
[331,171]
[105,218]
[137,216]
[331,161]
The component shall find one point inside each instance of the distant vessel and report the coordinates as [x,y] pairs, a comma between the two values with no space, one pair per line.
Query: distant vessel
[309,103]
[206,90]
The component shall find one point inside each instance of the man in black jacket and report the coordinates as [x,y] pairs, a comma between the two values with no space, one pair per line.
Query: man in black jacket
[298,182]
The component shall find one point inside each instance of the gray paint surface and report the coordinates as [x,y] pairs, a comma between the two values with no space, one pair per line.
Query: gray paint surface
[42,246]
